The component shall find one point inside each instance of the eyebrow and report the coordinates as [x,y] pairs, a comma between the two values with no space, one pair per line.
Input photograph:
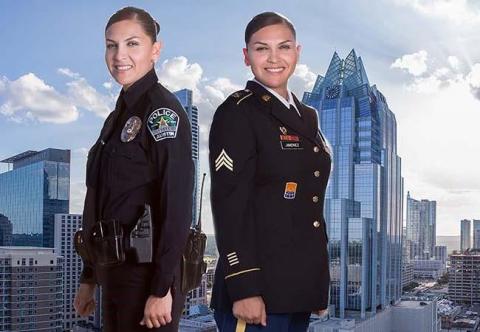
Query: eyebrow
[283,42]
[130,38]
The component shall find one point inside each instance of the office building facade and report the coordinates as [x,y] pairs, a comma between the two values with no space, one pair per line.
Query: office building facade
[464,277]
[421,227]
[65,227]
[363,206]
[32,191]
[6,229]
[476,234]
[30,289]
[465,234]
[185,96]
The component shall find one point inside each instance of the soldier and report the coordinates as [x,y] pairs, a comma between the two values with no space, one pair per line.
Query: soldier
[143,156]
[269,168]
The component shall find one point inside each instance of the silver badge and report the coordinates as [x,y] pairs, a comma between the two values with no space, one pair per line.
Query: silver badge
[131,129]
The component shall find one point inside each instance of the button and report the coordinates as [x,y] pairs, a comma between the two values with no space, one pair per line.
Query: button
[316,149]
[315,199]
[316,224]
[316,173]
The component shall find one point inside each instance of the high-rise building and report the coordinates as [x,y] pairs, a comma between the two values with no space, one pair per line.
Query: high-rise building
[37,187]
[465,234]
[196,297]
[65,227]
[421,227]
[441,254]
[464,277]
[363,206]
[476,234]
[185,96]
[5,231]
[30,290]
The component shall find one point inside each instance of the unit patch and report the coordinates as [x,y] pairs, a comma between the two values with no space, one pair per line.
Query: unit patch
[131,129]
[224,159]
[290,190]
[163,123]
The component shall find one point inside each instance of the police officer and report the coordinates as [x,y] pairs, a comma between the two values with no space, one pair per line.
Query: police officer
[143,156]
[269,170]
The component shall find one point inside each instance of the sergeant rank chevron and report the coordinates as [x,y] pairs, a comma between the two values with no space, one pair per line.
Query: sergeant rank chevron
[223,160]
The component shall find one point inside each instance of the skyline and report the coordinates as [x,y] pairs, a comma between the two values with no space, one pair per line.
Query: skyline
[429,71]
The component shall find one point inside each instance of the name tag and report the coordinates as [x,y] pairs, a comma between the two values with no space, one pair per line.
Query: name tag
[290,142]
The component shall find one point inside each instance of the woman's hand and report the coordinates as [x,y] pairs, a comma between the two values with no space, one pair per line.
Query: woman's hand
[158,311]
[84,302]
[251,310]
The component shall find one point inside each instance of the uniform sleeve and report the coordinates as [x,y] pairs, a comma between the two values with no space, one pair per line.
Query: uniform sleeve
[232,168]
[173,159]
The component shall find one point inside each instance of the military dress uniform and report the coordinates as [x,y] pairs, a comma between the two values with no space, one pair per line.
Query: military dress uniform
[143,156]
[269,171]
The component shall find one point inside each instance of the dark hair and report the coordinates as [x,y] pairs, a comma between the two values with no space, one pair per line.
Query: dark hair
[265,19]
[148,23]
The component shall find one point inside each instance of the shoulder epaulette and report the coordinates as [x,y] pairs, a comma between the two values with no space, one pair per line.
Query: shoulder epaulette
[241,95]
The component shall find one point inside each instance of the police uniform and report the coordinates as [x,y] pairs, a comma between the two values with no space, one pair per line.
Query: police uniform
[143,156]
[269,171]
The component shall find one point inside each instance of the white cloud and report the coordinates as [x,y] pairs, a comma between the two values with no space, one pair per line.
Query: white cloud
[306,75]
[87,97]
[67,72]
[415,64]
[473,78]
[217,91]
[439,144]
[30,97]
[457,11]
[177,73]
[454,62]
[108,85]
[83,95]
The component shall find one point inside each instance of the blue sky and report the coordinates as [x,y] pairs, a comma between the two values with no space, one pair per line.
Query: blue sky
[55,89]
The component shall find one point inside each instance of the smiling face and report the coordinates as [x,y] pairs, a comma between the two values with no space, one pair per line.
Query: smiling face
[130,53]
[272,53]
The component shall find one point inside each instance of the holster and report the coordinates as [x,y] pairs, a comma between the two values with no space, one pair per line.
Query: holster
[193,266]
[80,242]
[108,243]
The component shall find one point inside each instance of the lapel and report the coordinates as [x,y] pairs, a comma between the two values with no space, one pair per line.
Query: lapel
[287,117]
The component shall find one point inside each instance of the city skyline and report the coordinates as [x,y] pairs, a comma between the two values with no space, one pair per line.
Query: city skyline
[431,79]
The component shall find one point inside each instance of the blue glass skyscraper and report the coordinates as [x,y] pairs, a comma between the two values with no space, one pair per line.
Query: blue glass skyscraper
[37,187]
[363,206]
[185,96]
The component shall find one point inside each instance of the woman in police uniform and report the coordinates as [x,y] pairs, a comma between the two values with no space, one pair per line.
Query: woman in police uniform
[269,170]
[143,156]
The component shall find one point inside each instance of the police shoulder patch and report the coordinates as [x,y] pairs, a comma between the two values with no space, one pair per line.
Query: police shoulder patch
[163,123]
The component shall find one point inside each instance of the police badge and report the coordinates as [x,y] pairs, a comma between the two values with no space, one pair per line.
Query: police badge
[131,129]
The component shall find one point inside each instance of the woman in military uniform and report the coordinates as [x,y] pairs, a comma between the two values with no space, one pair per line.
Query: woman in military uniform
[269,168]
[142,157]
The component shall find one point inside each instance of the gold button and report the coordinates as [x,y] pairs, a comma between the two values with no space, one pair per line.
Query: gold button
[316,224]
[315,199]
[316,173]
[316,149]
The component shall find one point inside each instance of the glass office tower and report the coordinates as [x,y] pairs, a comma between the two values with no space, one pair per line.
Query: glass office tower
[421,227]
[37,187]
[363,206]
[185,96]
